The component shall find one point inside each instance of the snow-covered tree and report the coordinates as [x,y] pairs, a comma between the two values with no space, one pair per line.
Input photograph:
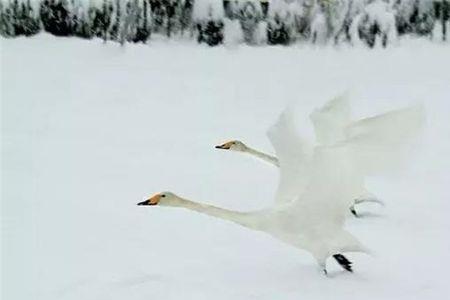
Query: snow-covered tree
[280,23]
[414,16]
[185,15]
[319,28]
[143,28]
[375,22]
[442,17]
[261,21]
[208,16]
[6,20]
[55,17]
[249,13]
[19,18]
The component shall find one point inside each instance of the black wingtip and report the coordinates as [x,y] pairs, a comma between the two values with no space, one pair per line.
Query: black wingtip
[343,262]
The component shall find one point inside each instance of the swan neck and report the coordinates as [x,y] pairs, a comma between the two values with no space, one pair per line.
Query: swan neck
[263,156]
[242,218]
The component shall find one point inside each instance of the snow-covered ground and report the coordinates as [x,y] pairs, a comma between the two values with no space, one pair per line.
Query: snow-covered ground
[89,130]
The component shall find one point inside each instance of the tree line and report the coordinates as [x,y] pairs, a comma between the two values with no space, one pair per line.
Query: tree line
[248,21]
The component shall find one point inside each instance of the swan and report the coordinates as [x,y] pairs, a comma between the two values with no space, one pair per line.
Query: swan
[362,196]
[313,190]
[329,123]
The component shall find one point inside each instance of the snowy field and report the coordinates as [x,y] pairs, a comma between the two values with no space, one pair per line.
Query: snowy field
[89,130]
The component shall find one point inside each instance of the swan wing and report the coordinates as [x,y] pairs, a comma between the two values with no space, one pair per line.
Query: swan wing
[292,152]
[330,120]
[328,194]
[381,143]
[335,172]
[318,213]
[373,145]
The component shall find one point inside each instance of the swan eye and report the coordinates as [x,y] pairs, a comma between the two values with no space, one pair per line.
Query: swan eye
[162,196]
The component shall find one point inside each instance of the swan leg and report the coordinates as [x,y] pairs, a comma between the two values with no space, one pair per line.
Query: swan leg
[343,262]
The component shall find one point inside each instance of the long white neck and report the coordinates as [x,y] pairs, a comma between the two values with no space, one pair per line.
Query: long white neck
[263,156]
[246,219]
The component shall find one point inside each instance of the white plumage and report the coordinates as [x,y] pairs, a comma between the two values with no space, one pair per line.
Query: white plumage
[317,185]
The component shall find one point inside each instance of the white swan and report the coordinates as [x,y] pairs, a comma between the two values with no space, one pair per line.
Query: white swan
[361,196]
[330,122]
[313,192]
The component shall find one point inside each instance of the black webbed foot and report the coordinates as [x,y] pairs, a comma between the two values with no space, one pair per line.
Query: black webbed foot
[343,262]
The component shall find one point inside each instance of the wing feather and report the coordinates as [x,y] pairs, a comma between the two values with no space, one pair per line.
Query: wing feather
[293,156]
[331,119]
[335,173]
[381,143]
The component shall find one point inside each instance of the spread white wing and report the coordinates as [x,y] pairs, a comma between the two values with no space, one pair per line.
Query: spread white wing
[381,143]
[330,188]
[317,190]
[293,156]
[331,119]
[321,186]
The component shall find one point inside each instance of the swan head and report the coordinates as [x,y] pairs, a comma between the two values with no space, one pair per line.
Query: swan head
[233,146]
[162,199]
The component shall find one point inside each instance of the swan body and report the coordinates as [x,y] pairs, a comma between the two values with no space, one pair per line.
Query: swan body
[282,223]
[315,186]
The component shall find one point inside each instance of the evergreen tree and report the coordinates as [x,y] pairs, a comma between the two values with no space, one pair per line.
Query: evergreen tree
[143,27]
[280,25]
[116,21]
[320,21]
[31,19]
[377,21]
[442,16]
[158,15]
[6,21]
[249,15]
[55,17]
[208,16]
[185,15]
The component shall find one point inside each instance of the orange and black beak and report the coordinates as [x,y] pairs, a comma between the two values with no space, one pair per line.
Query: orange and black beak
[152,201]
[225,146]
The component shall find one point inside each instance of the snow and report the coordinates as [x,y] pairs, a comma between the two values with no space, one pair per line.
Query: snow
[319,28]
[233,34]
[208,9]
[90,129]
[283,10]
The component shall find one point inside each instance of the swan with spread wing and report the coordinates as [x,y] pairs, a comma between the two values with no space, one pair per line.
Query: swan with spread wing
[314,189]
[330,122]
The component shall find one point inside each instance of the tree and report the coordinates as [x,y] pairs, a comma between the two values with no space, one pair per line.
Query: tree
[208,17]
[280,25]
[55,17]
[249,13]
[376,21]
